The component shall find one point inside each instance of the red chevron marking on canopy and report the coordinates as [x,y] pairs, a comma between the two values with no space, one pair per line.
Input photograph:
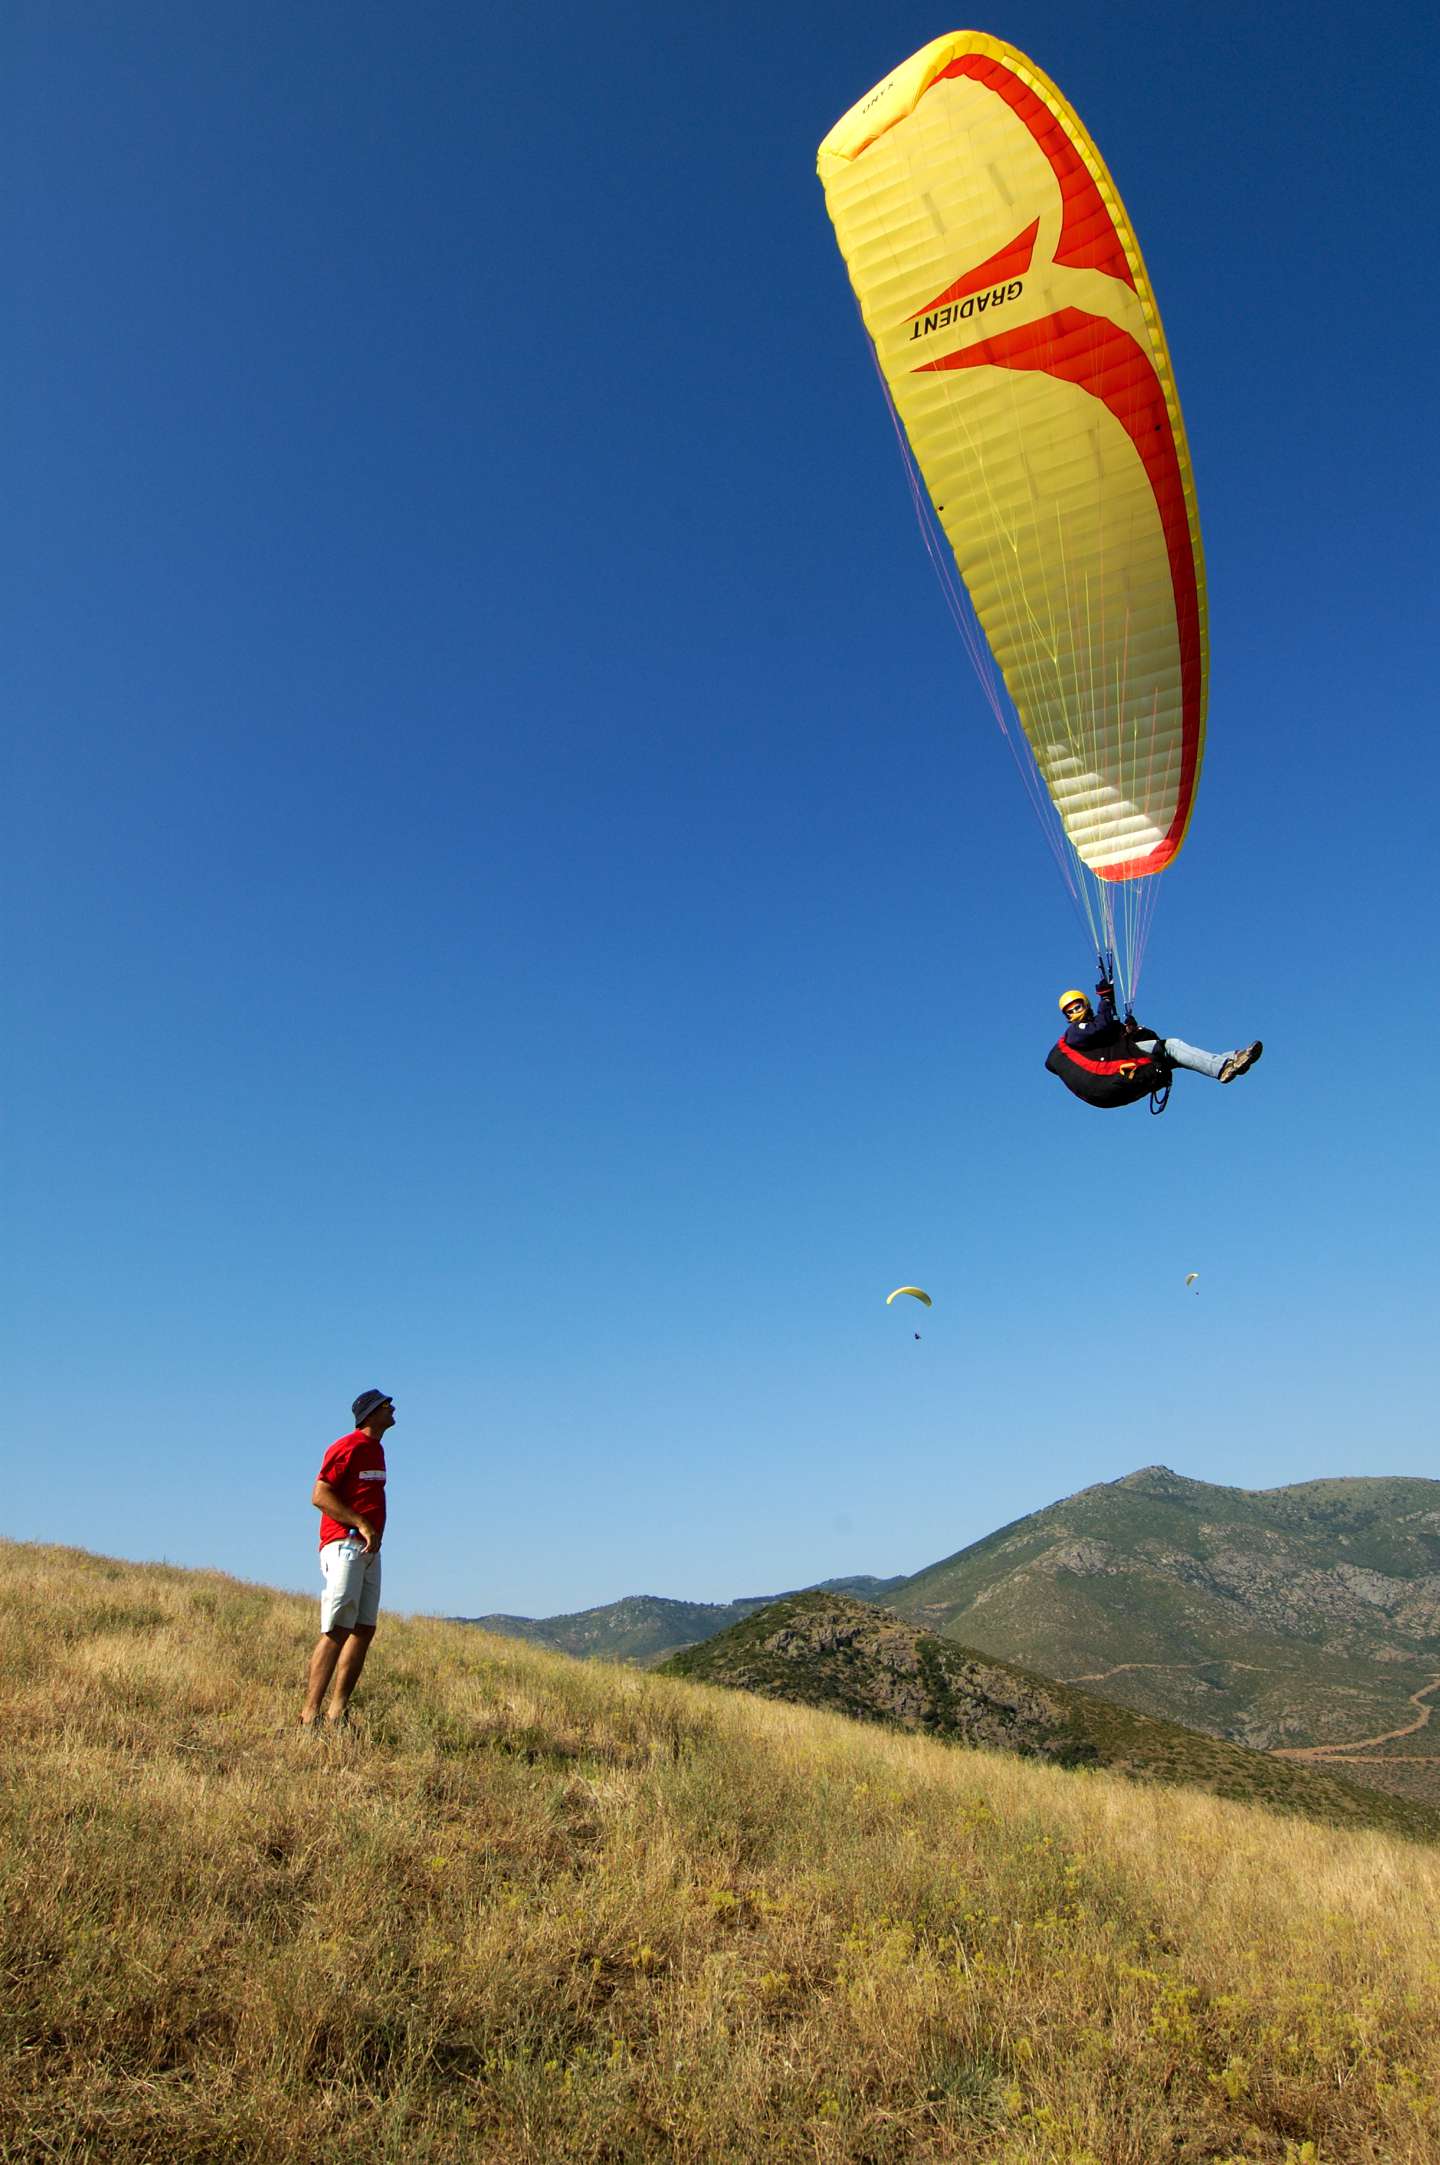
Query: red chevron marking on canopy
[1107,362]
[1089,239]
[1011,261]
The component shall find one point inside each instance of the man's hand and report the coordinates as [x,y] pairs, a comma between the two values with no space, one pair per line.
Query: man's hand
[1105,989]
[325,1499]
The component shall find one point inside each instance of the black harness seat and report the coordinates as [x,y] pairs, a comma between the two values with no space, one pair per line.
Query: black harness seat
[1122,1081]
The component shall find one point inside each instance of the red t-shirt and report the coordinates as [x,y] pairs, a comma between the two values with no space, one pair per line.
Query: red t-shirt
[354,1466]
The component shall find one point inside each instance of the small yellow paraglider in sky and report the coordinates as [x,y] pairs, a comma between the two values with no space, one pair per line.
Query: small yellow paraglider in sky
[915,1294]
[1191,1277]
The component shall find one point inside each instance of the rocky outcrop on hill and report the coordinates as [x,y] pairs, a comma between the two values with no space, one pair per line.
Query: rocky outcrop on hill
[825,1650]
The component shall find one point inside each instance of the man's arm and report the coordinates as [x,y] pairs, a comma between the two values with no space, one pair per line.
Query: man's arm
[1101,1025]
[325,1499]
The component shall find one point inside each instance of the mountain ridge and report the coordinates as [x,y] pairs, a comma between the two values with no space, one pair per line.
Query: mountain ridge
[644,1628]
[1300,1617]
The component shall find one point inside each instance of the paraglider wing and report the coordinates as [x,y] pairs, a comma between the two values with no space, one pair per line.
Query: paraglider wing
[914,1292]
[1013,320]
[1191,1278]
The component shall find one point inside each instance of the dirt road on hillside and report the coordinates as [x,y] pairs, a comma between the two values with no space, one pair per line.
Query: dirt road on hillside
[1352,1751]
[1222,1661]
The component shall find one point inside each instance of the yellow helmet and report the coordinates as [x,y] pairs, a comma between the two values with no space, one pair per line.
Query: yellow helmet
[1072,994]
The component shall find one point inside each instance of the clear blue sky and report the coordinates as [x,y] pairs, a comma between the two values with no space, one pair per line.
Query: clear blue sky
[511,884]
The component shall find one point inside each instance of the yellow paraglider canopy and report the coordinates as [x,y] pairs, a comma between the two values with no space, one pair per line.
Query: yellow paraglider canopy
[1013,322]
[914,1292]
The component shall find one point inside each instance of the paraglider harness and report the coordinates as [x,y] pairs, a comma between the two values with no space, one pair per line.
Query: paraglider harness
[1123,1081]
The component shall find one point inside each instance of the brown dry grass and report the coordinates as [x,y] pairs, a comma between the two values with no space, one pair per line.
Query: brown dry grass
[534,1910]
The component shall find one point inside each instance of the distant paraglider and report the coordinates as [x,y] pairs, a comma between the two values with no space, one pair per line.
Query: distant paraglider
[915,1294]
[1191,1278]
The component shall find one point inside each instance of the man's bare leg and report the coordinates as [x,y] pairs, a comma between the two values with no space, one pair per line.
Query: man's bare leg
[347,1669]
[322,1668]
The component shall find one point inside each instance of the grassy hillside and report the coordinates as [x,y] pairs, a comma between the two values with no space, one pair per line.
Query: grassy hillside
[537,1910]
[824,1651]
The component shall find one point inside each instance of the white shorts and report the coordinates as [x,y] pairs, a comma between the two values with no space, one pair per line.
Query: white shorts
[352,1585]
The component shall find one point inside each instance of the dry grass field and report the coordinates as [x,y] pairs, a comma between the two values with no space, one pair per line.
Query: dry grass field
[529,1909]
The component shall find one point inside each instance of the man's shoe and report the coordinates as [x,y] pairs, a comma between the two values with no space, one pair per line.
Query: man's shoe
[1238,1062]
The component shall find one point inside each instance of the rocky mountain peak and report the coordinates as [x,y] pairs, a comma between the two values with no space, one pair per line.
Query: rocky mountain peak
[1158,1481]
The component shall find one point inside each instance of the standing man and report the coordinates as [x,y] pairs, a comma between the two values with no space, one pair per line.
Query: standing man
[350,1497]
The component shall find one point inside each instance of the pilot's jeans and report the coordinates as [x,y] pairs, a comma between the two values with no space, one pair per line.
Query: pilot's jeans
[1179,1054]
